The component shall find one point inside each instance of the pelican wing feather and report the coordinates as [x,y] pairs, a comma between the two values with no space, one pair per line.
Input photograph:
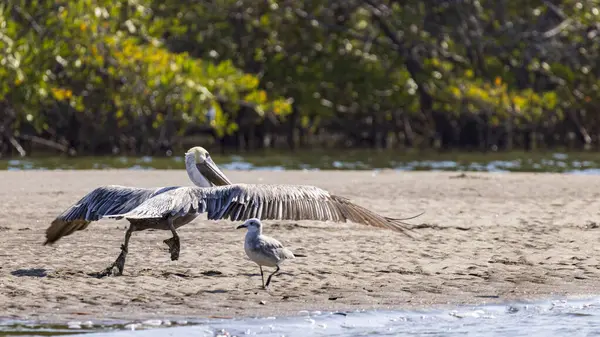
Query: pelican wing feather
[239,202]
[105,200]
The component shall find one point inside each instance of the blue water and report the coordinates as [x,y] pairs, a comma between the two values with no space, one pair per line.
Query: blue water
[578,163]
[574,317]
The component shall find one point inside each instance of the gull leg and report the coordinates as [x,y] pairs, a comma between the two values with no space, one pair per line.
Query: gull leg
[173,242]
[120,262]
[262,276]
[269,278]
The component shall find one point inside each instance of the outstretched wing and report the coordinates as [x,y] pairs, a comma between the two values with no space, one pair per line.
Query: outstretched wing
[270,202]
[112,199]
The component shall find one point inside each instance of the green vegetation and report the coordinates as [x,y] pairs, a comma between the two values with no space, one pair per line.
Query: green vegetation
[147,76]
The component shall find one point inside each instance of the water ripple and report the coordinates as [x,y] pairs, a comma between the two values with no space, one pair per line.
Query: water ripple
[548,318]
[576,163]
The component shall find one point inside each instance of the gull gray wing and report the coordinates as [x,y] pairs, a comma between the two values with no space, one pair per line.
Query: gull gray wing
[268,202]
[101,201]
[265,243]
[269,244]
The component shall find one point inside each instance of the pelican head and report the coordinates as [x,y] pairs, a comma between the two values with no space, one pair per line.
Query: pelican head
[252,224]
[202,170]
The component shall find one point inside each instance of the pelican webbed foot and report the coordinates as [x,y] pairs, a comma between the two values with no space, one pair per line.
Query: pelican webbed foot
[119,264]
[120,261]
[174,247]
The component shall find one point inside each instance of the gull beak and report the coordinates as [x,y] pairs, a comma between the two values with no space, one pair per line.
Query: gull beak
[211,172]
[242,226]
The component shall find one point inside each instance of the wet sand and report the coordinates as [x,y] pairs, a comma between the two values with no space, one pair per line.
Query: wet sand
[484,238]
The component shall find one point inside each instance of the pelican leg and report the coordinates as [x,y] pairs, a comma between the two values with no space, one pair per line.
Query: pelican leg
[173,242]
[269,278]
[120,261]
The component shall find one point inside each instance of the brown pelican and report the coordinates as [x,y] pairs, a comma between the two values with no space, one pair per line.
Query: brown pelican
[169,208]
[115,199]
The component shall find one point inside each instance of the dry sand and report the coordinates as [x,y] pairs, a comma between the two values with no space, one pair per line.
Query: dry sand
[484,238]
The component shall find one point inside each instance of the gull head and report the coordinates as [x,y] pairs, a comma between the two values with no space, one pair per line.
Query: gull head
[200,158]
[253,225]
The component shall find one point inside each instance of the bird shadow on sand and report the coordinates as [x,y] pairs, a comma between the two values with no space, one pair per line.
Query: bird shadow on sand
[159,273]
[267,273]
[216,291]
[211,273]
[288,226]
[31,272]
[96,274]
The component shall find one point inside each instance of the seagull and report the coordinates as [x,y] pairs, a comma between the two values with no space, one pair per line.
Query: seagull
[264,250]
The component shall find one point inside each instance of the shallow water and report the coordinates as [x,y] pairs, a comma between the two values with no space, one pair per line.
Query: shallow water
[572,162]
[575,317]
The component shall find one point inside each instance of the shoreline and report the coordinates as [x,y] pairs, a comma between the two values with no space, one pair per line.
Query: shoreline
[514,237]
[191,320]
[540,315]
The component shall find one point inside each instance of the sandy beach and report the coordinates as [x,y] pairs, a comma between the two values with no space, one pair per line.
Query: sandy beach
[484,238]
